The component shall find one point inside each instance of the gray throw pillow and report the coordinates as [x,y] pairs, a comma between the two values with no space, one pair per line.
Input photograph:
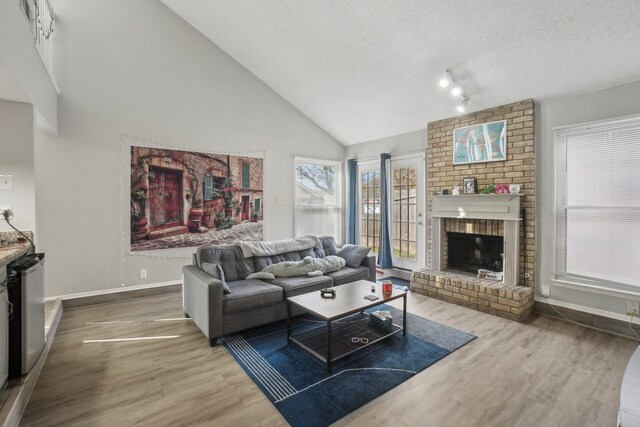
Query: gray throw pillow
[329,245]
[353,254]
[216,271]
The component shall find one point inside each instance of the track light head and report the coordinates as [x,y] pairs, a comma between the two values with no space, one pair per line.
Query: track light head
[456,90]
[462,107]
[445,82]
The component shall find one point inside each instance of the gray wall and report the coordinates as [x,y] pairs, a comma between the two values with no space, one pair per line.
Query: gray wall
[16,158]
[609,103]
[134,67]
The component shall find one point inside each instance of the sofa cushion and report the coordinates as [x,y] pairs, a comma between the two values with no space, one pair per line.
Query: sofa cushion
[348,275]
[233,263]
[329,245]
[353,254]
[293,286]
[216,271]
[249,294]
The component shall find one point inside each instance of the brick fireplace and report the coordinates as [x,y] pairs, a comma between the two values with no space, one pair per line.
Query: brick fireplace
[511,217]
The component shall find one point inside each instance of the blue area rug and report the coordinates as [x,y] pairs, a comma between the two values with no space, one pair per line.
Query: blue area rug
[307,395]
[398,283]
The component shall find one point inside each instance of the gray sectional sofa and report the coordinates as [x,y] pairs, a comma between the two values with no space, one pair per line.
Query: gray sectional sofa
[254,302]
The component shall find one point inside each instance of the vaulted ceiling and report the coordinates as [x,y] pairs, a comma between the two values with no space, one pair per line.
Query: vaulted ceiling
[368,69]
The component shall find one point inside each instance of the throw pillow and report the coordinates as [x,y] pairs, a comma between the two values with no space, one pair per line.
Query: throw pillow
[261,275]
[353,254]
[329,245]
[216,272]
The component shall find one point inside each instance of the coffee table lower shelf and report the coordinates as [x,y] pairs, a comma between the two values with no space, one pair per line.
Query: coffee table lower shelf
[338,335]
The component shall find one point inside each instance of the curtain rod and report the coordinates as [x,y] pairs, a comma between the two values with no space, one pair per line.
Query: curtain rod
[368,159]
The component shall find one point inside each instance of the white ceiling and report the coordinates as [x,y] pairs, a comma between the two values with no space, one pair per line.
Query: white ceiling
[367,69]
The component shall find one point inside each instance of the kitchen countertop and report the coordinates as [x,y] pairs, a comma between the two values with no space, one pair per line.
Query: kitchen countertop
[9,253]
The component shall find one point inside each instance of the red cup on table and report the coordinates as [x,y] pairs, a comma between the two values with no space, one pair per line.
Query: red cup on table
[387,286]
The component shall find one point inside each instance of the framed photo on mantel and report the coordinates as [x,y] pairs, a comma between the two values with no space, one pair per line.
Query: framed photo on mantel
[469,185]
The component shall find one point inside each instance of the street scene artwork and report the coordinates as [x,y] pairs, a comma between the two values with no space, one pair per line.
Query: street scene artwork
[186,199]
[480,143]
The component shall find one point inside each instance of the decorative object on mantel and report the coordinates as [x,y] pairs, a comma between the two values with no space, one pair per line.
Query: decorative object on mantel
[489,189]
[480,143]
[469,185]
[514,188]
[445,192]
[456,190]
[502,189]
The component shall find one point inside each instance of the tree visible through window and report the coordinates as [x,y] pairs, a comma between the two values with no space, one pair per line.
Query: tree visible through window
[370,209]
[318,199]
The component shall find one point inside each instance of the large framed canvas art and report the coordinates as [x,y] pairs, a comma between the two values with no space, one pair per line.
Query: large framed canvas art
[481,143]
[186,199]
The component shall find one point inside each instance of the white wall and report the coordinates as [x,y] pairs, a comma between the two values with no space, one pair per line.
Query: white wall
[398,144]
[609,103]
[16,158]
[20,58]
[134,67]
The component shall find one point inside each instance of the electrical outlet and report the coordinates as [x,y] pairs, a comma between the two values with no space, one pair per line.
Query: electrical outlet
[633,308]
[143,274]
[6,207]
[544,290]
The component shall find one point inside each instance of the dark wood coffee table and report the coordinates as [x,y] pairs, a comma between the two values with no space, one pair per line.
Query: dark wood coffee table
[335,341]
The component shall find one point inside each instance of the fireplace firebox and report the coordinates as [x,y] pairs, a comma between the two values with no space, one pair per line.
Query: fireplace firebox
[471,252]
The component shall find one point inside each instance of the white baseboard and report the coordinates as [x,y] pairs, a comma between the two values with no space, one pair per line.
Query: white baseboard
[114,290]
[591,310]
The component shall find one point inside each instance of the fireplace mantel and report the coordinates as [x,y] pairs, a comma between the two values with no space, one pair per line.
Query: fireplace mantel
[503,207]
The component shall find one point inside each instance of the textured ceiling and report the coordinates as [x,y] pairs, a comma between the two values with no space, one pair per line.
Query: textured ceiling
[367,69]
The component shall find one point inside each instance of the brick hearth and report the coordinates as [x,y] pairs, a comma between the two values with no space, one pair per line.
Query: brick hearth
[488,296]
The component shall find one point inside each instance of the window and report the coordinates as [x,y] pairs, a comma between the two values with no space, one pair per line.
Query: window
[598,202]
[370,209]
[256,205]
[245,175]
[404,213]
[318,198]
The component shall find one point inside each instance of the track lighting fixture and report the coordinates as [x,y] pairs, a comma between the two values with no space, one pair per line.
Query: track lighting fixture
[456,90]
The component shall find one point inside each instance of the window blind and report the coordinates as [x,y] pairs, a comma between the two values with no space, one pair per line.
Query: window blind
[318,208]
[598,202]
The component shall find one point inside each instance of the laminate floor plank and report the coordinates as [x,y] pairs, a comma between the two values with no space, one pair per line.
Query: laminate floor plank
[140,362]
